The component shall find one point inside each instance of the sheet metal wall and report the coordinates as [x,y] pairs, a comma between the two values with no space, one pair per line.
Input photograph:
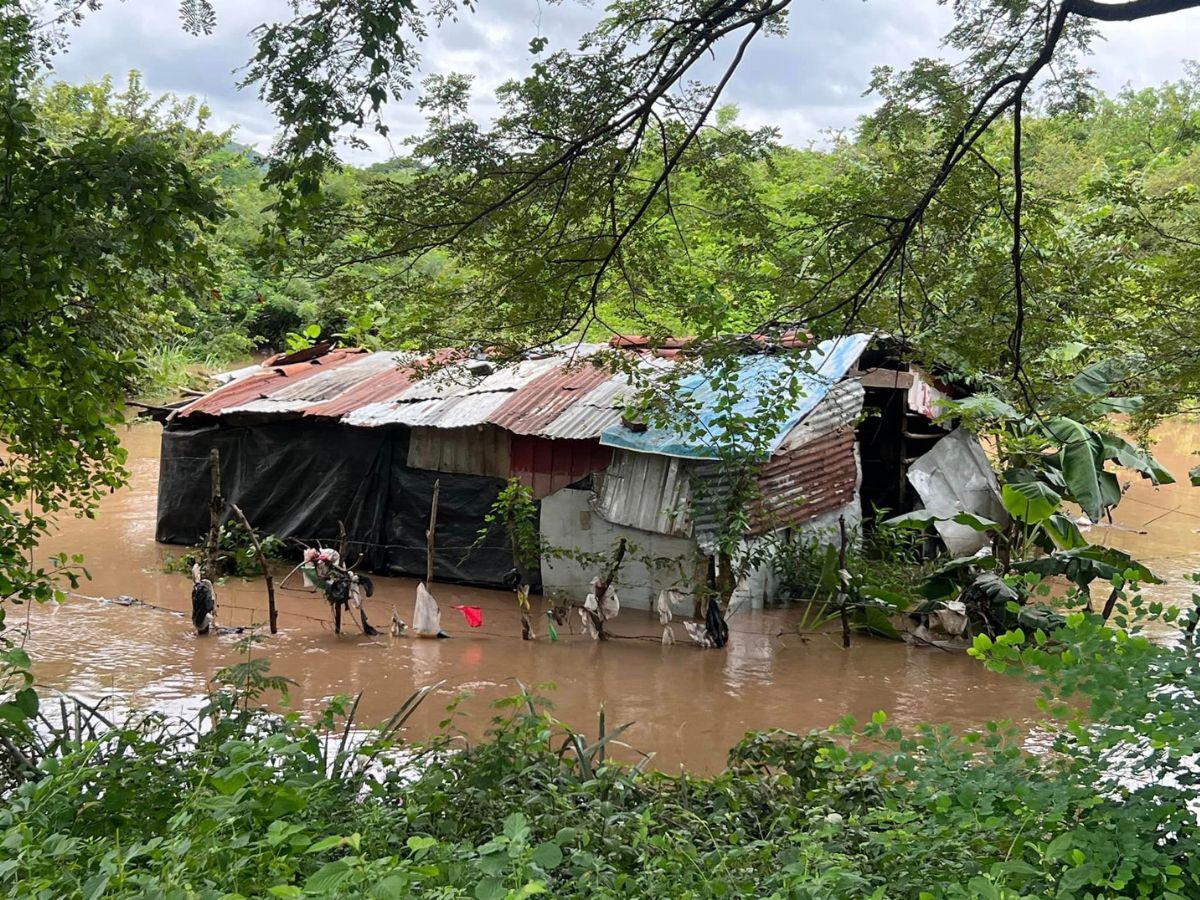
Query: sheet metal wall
[547,466]
[796,485]
[298,479]
[647,492]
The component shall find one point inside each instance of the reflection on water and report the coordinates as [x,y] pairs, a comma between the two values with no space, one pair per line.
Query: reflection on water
[689,705]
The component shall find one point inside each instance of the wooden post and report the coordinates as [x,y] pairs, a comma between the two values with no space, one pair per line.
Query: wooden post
[842,586]
[215,507]
[343,546]
[429,535]
[272,612]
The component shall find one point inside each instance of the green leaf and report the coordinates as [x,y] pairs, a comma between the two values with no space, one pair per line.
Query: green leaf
[327,844]
[921,518]
[1082,465]
[1063,532]
[490,889]
[1140,460]
[1083,565]
[516,827]
[547,855]
[1029,501]
[328,878]
[1194,476]
[27,701]
[1099,378]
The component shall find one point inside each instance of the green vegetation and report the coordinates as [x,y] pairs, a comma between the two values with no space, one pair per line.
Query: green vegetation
[242,802]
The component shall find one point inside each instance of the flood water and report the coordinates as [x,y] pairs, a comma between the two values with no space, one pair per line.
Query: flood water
[689,705]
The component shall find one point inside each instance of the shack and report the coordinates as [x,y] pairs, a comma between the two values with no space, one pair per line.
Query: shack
[331,438]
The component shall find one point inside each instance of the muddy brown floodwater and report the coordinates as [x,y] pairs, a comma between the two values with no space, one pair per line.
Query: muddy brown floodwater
[689,706]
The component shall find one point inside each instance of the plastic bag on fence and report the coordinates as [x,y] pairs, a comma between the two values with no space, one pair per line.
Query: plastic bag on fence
[427,618]
[664,607]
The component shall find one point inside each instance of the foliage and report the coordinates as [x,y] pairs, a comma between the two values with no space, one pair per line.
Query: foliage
[237,554]
[88,258]
[258,804]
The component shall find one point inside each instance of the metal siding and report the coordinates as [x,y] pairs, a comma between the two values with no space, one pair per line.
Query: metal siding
[840,408]
[547,466]
[795,486]
[646,491]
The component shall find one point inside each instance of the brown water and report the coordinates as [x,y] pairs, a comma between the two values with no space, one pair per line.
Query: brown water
[688,705]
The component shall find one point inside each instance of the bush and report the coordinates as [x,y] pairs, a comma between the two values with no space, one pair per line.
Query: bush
[242,802]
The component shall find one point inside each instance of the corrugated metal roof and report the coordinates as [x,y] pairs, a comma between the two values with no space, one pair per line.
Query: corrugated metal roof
[755,384]
[266,382]
[592,413]
[321,388]
[547,396]
[561,397]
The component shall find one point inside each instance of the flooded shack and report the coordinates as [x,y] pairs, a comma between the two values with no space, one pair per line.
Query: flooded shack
[328,438]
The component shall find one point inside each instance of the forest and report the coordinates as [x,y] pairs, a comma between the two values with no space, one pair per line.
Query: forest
[1017,231]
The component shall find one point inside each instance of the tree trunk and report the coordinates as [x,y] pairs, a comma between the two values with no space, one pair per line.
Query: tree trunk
[272,612]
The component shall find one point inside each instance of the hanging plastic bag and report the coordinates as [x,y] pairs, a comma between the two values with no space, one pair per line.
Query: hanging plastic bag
[427,618]
[612,605]
[473,615]
[664,609]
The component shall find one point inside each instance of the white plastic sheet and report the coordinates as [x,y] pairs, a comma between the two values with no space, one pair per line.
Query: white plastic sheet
[953,477]
[427,618]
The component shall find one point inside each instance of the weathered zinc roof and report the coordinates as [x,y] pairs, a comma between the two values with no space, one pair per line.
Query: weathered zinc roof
[759,382]
[560,396]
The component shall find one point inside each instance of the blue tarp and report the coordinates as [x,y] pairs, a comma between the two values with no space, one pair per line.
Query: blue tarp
[755,385]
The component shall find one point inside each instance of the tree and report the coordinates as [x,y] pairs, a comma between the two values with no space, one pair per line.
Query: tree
[99,229]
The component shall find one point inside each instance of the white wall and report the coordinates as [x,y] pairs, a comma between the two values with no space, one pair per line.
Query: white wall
[568,520]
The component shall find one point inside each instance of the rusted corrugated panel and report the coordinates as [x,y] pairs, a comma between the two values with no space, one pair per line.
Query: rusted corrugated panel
[321,389]
[592,413]
[795,486]
[387,384]
[645,491]
[263,384]
[543,399]
[469,451]
[839,408]
[451,397]
[547,466]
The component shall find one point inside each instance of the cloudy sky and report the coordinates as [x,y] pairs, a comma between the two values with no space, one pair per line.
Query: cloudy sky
[806,83]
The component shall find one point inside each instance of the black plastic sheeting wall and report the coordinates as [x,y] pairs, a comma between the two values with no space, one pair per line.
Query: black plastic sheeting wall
[299,479]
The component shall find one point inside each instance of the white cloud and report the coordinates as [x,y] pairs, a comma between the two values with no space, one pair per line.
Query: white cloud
[806,84]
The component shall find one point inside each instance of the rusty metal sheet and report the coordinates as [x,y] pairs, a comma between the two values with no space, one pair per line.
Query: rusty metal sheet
[795,486]
[840,407]
[547,465]
[321,389]
[588,416]
[543,399]
[263,384]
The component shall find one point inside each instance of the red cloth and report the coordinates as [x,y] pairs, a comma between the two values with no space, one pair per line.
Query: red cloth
[473,615]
